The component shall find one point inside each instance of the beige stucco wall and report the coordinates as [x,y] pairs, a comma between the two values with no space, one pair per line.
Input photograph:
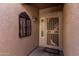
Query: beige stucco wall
[71,29]
[10,43]
[48,13]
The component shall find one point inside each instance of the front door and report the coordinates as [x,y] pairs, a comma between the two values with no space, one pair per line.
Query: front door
[50,32]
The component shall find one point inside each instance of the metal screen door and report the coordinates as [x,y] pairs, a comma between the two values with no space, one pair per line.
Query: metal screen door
[53,31]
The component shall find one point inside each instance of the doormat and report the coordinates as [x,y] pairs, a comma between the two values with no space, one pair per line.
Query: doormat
[52,51]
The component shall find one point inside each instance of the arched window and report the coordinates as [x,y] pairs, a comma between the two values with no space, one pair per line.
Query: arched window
[24,25]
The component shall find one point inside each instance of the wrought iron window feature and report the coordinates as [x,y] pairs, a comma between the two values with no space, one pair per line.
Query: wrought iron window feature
[24,25]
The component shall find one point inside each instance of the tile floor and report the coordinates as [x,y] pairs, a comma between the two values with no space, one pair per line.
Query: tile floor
[41,52]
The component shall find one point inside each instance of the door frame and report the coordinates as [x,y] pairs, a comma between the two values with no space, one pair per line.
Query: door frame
[60,21]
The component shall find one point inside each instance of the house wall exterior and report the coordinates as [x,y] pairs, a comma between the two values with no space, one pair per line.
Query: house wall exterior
[10,43]
[71,29]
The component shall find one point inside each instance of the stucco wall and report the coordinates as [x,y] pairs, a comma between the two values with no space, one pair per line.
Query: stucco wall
[71,29]
[10,43]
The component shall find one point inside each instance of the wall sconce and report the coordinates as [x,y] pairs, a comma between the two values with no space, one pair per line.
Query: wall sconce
[34,19]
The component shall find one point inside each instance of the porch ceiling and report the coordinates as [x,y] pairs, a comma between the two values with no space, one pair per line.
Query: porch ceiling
[44,5]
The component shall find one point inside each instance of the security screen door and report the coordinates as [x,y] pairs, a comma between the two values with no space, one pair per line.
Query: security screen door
[50,34]
[53,31]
